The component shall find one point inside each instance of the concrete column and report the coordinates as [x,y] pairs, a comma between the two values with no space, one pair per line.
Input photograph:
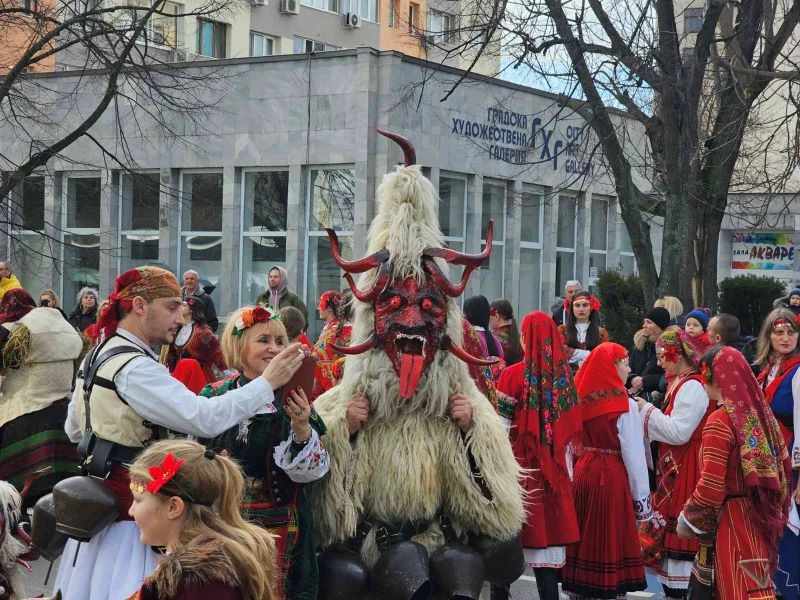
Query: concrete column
[296,226]
[583,237]
[169,224]
[109,231]
[549,241]
[615,227]
[229,276]
[513,235]
[53,269]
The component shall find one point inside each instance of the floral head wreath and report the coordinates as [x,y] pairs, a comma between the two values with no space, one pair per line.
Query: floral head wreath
[594,303]
[255,314]
[331,298]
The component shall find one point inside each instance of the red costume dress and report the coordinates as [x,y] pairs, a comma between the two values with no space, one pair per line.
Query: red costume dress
[541,405]
[199,343]
[503,335]
[679,430]
[326,355]
[611,487]
[740,502]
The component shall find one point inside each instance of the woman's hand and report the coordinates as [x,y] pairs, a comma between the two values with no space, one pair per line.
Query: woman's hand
[640,402]
[683,530]
[282,367]
[461,411]
[357,413]
[298,408]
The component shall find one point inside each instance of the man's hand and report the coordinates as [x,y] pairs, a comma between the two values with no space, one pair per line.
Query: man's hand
[281,368]
[461,411]
[357,413]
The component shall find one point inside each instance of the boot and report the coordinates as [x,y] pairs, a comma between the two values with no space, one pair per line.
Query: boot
[500,592]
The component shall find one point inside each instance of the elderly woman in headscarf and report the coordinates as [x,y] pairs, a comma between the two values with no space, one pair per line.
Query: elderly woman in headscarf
[539,403]
[741,501]
[37,353]
[678,428]
[611,487]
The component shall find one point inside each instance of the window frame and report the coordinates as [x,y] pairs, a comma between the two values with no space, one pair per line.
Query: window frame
[335,3]
[69,232]
[529,245]
[265,38]
[693,17]
[501,240]
[218,26]
[564,249]
[123,232]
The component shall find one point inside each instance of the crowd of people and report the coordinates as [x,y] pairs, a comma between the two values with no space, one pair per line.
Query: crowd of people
[673,451]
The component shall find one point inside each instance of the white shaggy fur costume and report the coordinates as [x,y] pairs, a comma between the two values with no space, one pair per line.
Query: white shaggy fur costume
[409,461]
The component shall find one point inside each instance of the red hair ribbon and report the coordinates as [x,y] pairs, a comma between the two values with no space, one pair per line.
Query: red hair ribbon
[706,373]
[163,473]
[594,303]
[670,354]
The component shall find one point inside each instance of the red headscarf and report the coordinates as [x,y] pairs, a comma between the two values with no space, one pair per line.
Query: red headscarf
[547,416]
[148,282]
[762,451]
[600,388]
[16,304]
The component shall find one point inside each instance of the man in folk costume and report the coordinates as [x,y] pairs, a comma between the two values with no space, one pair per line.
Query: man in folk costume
[123,398]
[540,404]
[420,462]
[679,428]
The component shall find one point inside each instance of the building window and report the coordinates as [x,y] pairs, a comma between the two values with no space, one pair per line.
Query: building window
[413,15]
[598,239]
[32,252]
[201,226]
[530,252]
[161,28]
[81,235]
[565,240]
[331,203]
[392,12]
[493,206]
[366,9]
[212,38]
[265,202]
[453,210]
[31,5]
[441,26]
[692,20]
[627,261]
[304,46]
[329,5]
[139,219]
[261,45]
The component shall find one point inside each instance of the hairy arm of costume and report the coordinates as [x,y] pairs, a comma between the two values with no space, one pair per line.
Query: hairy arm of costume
[629,428]
[310,464]
[149,390]
[796,419]
[676,428]
[485,452]
[700,510]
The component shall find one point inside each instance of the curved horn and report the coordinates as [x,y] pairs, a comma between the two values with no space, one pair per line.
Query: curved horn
[28,483]
[355,266]
[377,287]
[371,342]
[460,258]
[442,282]
[449,345]
[409,154]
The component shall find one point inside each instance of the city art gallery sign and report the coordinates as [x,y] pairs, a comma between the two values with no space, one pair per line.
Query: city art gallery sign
[764,252]
[517,139]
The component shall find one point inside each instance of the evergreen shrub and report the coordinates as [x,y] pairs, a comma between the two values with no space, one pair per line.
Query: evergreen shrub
[749,298]
[623,305]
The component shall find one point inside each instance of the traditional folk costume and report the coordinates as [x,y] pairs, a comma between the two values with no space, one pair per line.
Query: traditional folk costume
[197,342]
[781,384]
[275,469]
[132,397]
[38,349]
[503,335]
[409,487]
[334,333]
[580,347]
[540,405]
[741,501]
[484,376]
[679,428]
[611,485]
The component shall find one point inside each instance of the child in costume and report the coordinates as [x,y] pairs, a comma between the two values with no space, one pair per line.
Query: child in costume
[186,499]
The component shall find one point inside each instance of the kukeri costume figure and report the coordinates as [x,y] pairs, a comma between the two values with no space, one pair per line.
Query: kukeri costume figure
[409,486]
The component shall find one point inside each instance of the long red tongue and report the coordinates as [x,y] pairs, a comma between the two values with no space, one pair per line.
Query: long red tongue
[410,373]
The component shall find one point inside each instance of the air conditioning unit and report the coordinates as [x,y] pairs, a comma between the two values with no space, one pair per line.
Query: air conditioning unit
[352,20]
[258,2]
[289,7]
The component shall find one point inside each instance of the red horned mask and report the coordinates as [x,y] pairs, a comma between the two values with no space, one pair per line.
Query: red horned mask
[410,317]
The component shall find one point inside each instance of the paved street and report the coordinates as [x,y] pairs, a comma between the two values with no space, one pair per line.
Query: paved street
[524,589]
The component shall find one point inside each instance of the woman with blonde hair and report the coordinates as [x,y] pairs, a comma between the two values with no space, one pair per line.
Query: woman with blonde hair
[279,451]
[778,355]
[186,499]
[673,305]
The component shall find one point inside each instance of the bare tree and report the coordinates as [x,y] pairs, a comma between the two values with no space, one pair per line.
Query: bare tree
[126,60]
[716,100]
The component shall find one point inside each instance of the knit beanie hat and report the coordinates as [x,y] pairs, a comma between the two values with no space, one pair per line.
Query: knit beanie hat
[794,292]
[659,316]
[701,315]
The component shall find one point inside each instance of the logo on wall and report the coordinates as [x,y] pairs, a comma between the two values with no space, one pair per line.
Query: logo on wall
[763,251]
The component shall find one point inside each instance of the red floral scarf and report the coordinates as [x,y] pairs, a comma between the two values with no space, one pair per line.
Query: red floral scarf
[600,388]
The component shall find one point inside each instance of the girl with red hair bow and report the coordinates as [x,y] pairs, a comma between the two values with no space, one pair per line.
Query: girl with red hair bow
[581,332]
